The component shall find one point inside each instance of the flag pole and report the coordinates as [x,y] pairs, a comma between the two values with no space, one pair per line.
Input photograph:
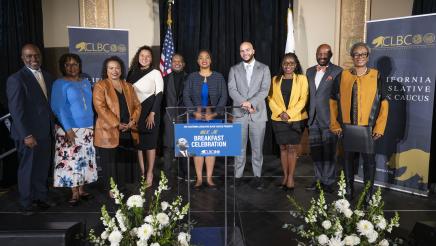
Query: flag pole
[169,19]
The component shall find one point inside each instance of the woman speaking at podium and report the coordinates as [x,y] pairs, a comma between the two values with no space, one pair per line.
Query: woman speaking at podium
[205,88]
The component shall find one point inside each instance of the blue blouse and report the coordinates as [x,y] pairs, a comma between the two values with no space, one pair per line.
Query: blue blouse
[205,95]
[71,102]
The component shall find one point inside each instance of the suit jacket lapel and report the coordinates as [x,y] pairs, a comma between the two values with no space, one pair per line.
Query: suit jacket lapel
[242,73]
[254,81]
[31,80]
[311,73]
[327,73]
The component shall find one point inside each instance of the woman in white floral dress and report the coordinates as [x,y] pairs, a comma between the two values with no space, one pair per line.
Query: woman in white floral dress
[71,102]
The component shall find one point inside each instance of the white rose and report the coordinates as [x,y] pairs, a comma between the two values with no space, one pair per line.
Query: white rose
[115,237]
[348,213]
[383,242]
[145,231]
[335,241]
[148,219]
[135,201]
[342,204]
[184,238]
[141,242]
[164,205]
[326,224]
[364,227]
[356,240]
[163,219]
[372,237]
[323,239]
[104,235]
[351,240]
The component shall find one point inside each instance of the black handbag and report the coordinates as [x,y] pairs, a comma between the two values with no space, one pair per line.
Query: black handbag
[358,139]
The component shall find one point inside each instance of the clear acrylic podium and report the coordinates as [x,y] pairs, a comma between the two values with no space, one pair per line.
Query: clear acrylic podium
[212,210]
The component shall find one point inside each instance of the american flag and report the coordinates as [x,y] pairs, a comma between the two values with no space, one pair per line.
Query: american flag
[167,53]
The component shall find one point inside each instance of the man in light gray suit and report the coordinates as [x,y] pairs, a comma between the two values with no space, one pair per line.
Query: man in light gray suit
[249,83]
[322,141]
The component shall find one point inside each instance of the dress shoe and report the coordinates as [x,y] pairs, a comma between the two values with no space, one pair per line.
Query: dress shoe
[258,184]
[212,186]
[86,196]
[287,189]
[237,183]
[311,187]
[43,204]
[28,211]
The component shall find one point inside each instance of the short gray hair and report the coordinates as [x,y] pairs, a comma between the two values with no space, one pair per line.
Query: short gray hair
[357,45]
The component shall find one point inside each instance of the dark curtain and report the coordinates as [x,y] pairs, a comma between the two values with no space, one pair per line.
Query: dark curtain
[221,25]
[424,7]
[20,23]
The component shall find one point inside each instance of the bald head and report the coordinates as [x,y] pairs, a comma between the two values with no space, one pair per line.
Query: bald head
[246,51]
[323,54]
[31,56]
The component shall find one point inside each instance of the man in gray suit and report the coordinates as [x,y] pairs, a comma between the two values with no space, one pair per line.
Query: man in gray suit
[249,83]
[322,142]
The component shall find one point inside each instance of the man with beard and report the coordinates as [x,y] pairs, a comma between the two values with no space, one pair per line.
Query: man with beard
[173,97]
[322,141]
[249,83]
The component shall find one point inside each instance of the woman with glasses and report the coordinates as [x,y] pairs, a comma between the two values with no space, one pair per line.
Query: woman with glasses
[287,100]
[359,111]
[71,102]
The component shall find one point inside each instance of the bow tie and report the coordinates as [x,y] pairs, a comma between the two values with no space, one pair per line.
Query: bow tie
[321,68]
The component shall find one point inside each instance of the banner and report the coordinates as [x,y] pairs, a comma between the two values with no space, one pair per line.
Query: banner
[94,45]
[207,139]
[404,51]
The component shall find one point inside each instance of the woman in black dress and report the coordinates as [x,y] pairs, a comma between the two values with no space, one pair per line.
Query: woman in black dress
[287,100]
[148,85]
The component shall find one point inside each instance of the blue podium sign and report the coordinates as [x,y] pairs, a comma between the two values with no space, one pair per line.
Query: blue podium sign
[207,139]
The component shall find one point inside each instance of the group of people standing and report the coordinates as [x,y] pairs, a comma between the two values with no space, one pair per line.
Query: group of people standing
[101,125]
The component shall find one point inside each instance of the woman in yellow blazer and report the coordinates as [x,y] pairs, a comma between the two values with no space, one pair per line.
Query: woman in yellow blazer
[117,108]
[287,100]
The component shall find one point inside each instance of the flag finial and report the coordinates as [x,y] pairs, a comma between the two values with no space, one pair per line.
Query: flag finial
[169,19]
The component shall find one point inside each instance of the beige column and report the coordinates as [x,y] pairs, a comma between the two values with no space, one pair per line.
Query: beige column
[95,13]
[353,15]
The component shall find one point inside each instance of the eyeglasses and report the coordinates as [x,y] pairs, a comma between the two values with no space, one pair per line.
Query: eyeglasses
[360,55]
[71,64]
[291,64]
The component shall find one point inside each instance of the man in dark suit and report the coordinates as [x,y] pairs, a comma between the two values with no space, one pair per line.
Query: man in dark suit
[322,142]
[173,97]
[28,92]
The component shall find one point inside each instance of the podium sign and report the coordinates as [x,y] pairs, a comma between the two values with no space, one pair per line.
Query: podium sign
[207,139]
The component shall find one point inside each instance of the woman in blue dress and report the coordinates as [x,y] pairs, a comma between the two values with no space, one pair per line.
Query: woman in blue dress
[203,89]
[71,102]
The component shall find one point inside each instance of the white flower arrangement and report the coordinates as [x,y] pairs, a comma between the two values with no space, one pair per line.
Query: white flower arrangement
[339,224]
[132,225]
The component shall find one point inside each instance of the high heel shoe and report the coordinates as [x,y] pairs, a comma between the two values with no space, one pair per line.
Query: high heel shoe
[288,189]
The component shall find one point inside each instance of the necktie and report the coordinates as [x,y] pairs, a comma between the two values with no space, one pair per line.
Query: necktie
[248,73]
[41,82]
[354,119]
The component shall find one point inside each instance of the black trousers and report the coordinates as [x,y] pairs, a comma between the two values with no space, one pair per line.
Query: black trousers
[118,163]
[350,169]
[33,170]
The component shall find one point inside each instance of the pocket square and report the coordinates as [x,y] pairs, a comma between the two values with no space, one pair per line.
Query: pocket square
[329,78]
